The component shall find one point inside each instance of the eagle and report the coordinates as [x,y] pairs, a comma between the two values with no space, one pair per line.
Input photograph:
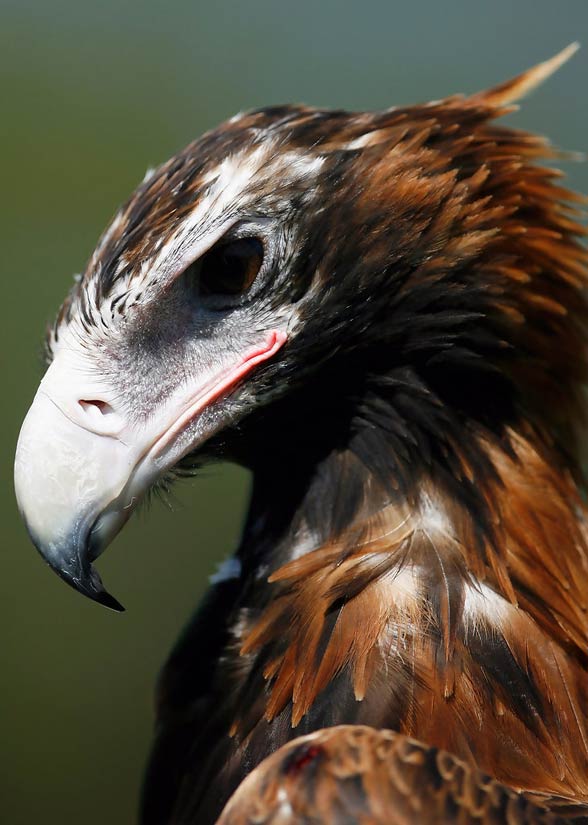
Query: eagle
[382,315]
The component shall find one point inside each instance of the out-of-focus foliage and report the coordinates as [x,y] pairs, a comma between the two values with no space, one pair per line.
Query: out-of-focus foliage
[91,94]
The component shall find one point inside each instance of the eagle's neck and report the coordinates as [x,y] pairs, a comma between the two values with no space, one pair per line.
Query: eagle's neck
[446,600]
[434,604]
[332,457]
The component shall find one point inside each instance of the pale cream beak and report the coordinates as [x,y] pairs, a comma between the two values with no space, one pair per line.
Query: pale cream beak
[81,466]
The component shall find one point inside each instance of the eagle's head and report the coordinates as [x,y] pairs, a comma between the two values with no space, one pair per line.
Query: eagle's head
[416,254]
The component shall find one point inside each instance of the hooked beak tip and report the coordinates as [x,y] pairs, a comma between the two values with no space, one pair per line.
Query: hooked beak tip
[86,581]
[109,601]
[71,558]
[78,572]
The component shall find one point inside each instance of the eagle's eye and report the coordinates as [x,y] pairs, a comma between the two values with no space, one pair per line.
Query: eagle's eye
[230,268]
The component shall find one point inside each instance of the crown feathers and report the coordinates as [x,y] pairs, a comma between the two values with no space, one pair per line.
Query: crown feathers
[518,87]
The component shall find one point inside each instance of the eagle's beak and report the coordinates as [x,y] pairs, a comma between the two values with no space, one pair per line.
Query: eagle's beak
[81,466]
[71,462]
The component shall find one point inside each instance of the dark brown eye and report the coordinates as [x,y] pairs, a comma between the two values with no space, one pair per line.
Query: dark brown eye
[231,268]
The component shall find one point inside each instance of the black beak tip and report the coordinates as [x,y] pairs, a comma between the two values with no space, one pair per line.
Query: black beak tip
[87,582]
[85,579]
[73,565]
[109,601]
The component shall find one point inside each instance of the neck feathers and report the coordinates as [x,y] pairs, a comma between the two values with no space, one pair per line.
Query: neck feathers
[419,608]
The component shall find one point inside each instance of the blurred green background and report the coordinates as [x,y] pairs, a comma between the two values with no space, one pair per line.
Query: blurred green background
[91,94]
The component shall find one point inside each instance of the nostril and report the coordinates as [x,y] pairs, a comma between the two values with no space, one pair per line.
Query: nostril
[98,416]
[95,405]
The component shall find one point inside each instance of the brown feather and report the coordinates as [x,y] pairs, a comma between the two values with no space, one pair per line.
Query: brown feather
[356,774]
[535,563]
[519,86]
